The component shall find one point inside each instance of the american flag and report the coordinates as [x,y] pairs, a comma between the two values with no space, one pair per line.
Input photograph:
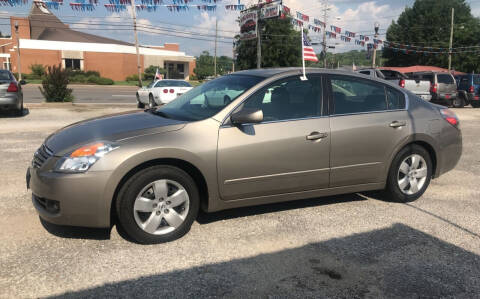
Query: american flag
[308,53]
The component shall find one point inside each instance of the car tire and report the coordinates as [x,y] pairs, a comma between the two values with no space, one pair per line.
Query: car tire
[139,104]
[165,220]
[458,102]
[405,174]
[19,111]
[475,104]
[151,102]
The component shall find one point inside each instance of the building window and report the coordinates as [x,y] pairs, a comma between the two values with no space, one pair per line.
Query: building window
[6,65]
[73,64]
[181,68]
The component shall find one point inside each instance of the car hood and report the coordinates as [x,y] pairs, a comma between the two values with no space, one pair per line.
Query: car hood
[109,128]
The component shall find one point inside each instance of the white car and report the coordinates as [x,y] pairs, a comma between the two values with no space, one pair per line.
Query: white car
[161,92]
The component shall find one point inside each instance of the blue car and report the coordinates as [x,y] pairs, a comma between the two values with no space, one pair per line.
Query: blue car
[469,89]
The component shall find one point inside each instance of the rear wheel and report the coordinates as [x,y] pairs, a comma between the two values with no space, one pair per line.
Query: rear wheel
[19,111]
[139,104]
[475,104]
[151,101]
[458,102]
[409,175]
[158,204]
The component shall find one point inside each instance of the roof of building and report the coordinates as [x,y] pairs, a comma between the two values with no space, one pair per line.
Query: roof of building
[44,25]
[420,68]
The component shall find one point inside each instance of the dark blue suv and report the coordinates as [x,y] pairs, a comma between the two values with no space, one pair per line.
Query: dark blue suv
[469,89]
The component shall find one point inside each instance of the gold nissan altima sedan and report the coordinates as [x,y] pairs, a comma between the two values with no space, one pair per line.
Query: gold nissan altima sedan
[249,138]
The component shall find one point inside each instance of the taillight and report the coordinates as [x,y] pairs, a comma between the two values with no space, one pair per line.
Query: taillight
[471,89]
[433,88]
[165,91]
[172,91]
[13,87]
[402,83]
[450,117]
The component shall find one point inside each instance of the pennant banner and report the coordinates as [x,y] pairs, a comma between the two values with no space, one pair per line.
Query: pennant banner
[335,29]
[207,7]
[319,23]
[115,7]
[314,28]
[235,7]
[147,7]
[345,38]
[152,2]
[303,17]
[13,2]
[81,6]
[349,34]
[177,8]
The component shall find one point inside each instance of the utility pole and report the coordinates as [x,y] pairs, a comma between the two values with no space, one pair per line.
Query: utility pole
[377,26]
[451,43]
[233,58]
[134,17]
[215,57]
[259,41]
[325,19]
[19,65]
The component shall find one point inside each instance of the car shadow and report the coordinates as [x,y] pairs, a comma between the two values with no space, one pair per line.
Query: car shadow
[205,218]
[74,232]
[13,114]
[392,262]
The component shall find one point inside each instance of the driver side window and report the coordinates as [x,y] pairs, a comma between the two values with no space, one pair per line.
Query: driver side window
[289,98]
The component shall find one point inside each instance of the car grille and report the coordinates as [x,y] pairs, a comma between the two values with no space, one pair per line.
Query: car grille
[41,156]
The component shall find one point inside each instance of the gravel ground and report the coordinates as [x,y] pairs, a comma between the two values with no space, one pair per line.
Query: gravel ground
[343,246]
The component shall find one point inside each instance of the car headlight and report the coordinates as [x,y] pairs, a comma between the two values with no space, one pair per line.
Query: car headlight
[84,157]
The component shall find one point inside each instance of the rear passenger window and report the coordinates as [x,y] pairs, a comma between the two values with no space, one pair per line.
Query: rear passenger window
[395,99]
[445,79]
[476,80]
[355,95]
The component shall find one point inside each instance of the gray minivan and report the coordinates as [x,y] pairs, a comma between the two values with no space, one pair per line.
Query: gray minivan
[443,87]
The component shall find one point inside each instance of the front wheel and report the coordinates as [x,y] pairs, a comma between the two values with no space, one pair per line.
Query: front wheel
[409,175]
[475,104]
[139,103]
[158,204]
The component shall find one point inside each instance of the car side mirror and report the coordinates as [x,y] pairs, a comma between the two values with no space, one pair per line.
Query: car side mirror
[247,116]
[23,82]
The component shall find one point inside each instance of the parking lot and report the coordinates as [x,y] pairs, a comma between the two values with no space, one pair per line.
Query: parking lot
[353,245]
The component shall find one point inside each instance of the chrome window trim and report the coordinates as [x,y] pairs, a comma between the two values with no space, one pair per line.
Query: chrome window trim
[276,121]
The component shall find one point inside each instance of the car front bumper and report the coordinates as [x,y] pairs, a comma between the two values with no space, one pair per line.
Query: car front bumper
[70,199]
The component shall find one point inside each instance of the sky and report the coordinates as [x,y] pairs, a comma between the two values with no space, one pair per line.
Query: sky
[194,30]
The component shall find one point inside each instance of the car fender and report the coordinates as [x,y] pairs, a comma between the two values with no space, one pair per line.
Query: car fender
[416,137]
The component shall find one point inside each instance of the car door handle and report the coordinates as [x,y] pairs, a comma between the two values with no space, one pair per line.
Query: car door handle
[398,124]
[316,136]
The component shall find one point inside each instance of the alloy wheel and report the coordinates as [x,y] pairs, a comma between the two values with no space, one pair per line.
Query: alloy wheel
[161,207]
[412,174]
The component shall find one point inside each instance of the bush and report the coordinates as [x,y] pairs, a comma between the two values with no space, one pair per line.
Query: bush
[150,72]
[99,80]
[55,84]
[133,77]
[38,71]
[78,78]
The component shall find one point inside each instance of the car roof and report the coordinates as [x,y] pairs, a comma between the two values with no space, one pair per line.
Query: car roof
[270,72]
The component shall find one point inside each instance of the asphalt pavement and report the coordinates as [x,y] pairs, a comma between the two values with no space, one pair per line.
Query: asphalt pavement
[99,94]
[348,246]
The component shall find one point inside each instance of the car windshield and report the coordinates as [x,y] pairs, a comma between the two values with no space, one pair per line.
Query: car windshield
[172,83]
[210,98]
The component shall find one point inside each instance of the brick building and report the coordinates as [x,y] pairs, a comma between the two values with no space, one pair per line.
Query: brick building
[44,39]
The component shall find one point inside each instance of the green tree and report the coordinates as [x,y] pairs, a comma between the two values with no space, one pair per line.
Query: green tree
[427,24]
[205,65]
[281,46]
[149,73]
